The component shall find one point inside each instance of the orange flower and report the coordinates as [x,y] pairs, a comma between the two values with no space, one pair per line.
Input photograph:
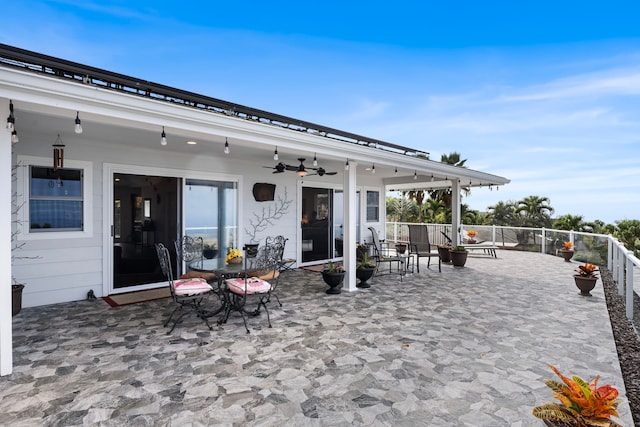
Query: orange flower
[567,246]
[472,233]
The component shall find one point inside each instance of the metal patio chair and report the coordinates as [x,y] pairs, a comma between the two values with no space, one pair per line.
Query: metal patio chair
[382,254]
[187,294]
[420,246]
[189,249]
[255,284]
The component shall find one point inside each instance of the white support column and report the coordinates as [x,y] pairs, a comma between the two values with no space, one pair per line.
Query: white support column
[349,232]
[6,333]
[622,261]
[455,211]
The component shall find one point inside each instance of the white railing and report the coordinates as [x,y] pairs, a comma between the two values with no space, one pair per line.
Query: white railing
[598,249]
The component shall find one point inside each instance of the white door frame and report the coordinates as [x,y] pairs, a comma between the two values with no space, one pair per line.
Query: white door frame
[108,171]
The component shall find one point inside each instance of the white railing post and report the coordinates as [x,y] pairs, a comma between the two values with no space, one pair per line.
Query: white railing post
[629,288]
[493,234]
[609,252]
[543,244]
[622,262]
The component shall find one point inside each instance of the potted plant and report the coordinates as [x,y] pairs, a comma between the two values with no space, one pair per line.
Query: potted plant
[458,256]
[210,251]
[401,247]
[586,278]
[471,236]
[234,256]
[365,270]
[567,251]
[445,252]
[581,403]
[333,275]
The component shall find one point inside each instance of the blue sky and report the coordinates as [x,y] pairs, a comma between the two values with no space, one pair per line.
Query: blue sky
[546,94]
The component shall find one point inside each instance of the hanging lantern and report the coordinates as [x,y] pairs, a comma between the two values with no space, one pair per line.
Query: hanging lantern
[58,154]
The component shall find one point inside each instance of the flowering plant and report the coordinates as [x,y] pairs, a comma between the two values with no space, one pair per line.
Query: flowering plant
[582,403]
[567,246]
[472,233]
[233,253]
[587,270]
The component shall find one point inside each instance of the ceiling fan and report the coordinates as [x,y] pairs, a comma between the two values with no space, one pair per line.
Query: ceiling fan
[301,170]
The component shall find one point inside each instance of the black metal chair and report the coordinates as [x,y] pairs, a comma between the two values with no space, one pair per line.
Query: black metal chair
[187,294]
[188,250]
[420,246]
[258,280]
[382,254]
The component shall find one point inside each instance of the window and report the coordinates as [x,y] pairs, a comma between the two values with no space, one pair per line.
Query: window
[55,199]
[53,204]
[373,206]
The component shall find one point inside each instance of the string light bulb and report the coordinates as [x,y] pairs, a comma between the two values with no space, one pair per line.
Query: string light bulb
[14,137]
[226,146]
[11,121]
[315,160]
[275,154]
[163,137]
[78,127]
[415,175]
[373,168]
[346,165]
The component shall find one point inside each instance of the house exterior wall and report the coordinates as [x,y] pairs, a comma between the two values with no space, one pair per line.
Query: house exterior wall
[66,268]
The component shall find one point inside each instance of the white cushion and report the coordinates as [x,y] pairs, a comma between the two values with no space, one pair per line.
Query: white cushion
[194,286]
[254,285]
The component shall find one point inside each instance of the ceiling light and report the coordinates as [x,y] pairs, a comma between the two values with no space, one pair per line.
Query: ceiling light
[14,137]
[346,165]
[163,137]
[226,146]
[11,121]
[275,154]
[315,160]
[78,128]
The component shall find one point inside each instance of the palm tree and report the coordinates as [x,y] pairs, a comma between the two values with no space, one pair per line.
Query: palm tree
[503,213]
[416,196]
[400,209]
[444,195]
[569,222]
[432,209]
[535,210]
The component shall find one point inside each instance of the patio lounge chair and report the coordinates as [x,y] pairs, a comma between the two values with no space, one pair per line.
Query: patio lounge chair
[420,246]
[187,294]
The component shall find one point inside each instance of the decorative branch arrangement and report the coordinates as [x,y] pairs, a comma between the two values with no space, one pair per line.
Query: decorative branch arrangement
[269,215]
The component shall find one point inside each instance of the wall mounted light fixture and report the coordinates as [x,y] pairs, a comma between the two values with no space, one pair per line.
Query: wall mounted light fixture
[58,154]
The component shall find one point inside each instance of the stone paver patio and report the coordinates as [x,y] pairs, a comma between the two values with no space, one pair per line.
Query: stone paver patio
[465,347]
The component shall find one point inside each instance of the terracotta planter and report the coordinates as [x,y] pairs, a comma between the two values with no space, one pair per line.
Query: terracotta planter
[334,280]
[567,255]
[585,284]
[458,258]
[364,274]
[445,253]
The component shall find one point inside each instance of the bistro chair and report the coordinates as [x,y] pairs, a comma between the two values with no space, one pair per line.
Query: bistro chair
[420,246]
[381,254]
[258,280]
[187,294]
[189,250]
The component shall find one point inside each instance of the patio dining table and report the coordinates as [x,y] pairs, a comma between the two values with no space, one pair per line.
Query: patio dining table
[222,271]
